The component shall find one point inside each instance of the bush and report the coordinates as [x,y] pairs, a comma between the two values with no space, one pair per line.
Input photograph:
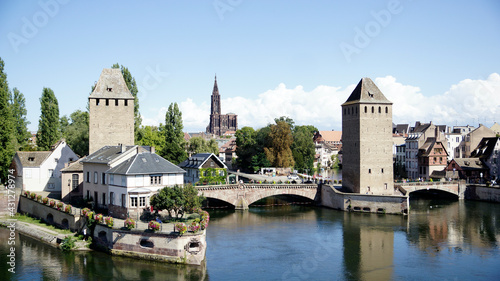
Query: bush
[154,225]
[195,226]
[52,203]
[85,211]
[109,221]
[45,200]
[59,206]
[39,198]
[32,195]
[67,209]
[129,223]
[68,243]
[99,218]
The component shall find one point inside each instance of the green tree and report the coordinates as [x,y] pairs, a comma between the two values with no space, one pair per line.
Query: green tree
[151,136]
[19,112]
[132,87]
[303,147]
[76,131]
[245,147]
[7,137]
[49,124]
[200,145]
[177,200]
[279,151]
[174,136]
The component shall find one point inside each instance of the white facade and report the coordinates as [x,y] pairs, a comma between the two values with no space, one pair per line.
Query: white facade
[325,153]
[453,145]
[41,170]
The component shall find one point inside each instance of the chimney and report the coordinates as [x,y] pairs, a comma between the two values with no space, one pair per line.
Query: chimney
[122,148]
[437,134]
[152,149]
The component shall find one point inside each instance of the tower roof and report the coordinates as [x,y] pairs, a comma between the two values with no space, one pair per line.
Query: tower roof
[366,92]
[216,89]
[111,85]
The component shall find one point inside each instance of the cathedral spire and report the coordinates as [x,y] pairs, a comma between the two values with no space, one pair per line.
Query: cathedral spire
[216,89]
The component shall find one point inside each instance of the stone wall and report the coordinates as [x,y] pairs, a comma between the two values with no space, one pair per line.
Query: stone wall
[482,193]
[332,198]
[168,247]
[50,215]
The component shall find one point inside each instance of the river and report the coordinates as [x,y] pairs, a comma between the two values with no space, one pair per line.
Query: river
[439,240]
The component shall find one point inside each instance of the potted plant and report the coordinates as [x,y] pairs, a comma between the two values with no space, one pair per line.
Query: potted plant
[194,227]
[45,200]
[52,203]
[154,225]
[27,194]
[59,206]
[33,195]
[109,221]
[181,227]
[85,211]
[67,209]
[99,218]
[129,223]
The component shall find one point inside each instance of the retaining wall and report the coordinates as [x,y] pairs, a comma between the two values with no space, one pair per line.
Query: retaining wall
[168,247]
[49,214]
[386,204]
[482,193]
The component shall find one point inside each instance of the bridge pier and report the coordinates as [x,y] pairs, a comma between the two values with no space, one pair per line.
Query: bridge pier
[241,204]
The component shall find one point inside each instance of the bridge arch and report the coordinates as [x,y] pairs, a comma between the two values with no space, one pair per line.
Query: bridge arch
[430,187]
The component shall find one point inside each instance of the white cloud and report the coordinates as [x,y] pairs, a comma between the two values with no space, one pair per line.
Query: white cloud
[462,103]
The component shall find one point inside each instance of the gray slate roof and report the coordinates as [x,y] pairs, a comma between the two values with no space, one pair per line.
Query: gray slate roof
[111,85]
[485,148]
[146,163]
[106,154]
[32,158]
[76,166]
[196,161]
[367,92]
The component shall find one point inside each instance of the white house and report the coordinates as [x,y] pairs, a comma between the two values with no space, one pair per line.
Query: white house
[39,171]
[123,178]
[193,164]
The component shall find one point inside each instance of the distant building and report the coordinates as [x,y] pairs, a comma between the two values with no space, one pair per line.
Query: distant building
[496,128]
[194,165]
[41,170]
[415,140]
[432,157]
[488,151]
[332,138]
[72,182]
[472,139]
[111,111]
[219,123]
[227,152]
[367,141]
[469,169]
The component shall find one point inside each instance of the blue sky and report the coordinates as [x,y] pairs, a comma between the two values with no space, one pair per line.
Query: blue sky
[436,60]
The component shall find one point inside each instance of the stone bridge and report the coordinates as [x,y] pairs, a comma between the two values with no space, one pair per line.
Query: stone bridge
[454,187]
[242,195]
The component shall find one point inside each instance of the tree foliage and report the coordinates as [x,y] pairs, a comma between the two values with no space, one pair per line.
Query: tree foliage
[132,87]
[279,151]
[177,200]
[151,136]
[7,138]
[19,112]
[303,147]
[174,136]
[200,145]
[48,126]
[75,130]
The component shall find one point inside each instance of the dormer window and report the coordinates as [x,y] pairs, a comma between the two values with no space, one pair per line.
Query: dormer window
[109,89]
[31,159]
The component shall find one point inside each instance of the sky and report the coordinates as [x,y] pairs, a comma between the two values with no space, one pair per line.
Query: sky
[435,60]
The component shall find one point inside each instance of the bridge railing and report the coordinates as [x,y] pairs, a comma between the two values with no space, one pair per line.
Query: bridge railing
[255,185]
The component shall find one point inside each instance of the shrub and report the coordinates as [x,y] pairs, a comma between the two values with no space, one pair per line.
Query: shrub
[45,200]
[129,223]
[32,195]
[68,243]
[99,218]
[67,209]
[52,203]
[181,227]
[39,198]
[59,206]
[204,224]
[154,225]
[109,221]
[195,226]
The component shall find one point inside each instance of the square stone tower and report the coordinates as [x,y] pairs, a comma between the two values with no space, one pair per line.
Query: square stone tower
[367,141]
[111,110]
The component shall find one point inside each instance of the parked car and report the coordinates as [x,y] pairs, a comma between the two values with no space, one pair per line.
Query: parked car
[293,177]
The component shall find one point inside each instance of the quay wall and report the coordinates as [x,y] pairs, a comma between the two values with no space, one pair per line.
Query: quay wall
[482,193]
[49,214]
[189,248]
[386,204]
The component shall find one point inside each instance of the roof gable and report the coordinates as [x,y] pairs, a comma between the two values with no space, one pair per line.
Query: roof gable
[32,158]
[197,161]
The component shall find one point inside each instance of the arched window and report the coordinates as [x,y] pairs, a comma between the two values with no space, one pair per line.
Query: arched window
[366,109]
[386,110]
[373,109]
[379,109]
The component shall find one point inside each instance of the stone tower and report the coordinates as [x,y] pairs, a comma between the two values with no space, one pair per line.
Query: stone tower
[219,124]
[367,141]
[111,108]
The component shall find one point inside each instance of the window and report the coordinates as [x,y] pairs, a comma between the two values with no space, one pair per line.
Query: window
[155,180]
[366,109]
[75,180]
[104,198]
[88,194]
[111,179]
[369,171]
[373,109]
[50,186]
[51,173]
[123,200]
[383,172]
[107,102]
[124,180]
[379,109]
[103,178]
[31,159]
[126,102]
[95,177]
[28,173]
[386,110]
[56,160]
[95,196]
[112,198]
[88,176]
[133,201]
[142,201]
[116,102]
[97,102]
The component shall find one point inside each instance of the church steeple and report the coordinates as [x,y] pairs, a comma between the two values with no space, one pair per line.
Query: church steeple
[216,89]
[215,108]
